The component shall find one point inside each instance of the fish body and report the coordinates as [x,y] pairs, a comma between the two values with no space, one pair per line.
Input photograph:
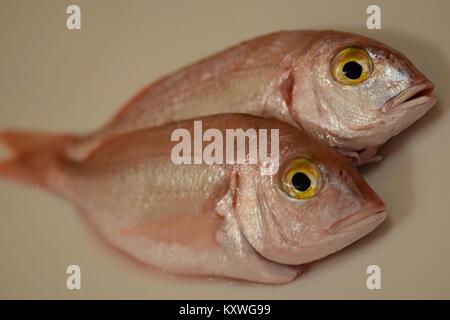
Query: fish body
[219,219]
[351,91]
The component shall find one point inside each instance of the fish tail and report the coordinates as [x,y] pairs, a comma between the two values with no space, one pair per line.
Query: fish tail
[34,156]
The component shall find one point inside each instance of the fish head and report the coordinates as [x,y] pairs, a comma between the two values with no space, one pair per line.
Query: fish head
[356,92]
[316,204]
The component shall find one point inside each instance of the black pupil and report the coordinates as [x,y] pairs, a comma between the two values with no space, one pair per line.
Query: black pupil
[352,70]
[301,181]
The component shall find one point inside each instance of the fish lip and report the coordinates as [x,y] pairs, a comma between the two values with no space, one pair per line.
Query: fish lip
[415,96]
[358,221]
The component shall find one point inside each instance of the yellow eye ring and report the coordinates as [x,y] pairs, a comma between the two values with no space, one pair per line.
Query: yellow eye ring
[301,179]
[351,66]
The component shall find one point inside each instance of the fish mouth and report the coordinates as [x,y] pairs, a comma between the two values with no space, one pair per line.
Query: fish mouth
[417,95]
[358,221]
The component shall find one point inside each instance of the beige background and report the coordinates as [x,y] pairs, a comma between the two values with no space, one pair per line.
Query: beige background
[52,78]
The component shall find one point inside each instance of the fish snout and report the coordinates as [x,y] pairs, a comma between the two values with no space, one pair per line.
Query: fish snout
[373,212]
[362,206]
[417,95]
[369,203]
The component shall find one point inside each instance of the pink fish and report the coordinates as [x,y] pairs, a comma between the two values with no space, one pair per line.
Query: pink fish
[353,92]
[216,219]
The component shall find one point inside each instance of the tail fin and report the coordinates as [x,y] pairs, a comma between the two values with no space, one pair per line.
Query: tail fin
[34,155]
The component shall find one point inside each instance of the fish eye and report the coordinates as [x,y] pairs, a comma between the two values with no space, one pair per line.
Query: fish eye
[301,179]
[351,66]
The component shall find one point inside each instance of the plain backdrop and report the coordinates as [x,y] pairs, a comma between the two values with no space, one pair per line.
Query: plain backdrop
[55,79]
